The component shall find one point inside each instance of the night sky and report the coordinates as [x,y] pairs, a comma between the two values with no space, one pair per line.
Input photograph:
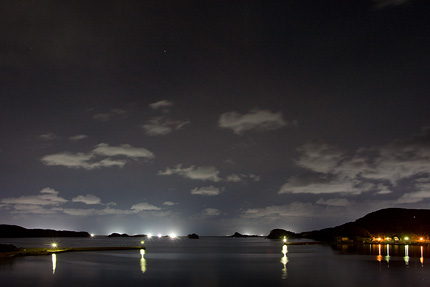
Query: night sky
[212,117]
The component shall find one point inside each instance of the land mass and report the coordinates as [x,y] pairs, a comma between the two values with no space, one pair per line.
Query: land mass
[126,235]
[384,223]
[14,231]
[392,223]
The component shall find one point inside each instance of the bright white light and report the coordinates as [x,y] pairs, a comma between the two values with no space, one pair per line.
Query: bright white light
[149,235]
[54,263]
[92,235]
[54,245]
[172,235]
[159,235]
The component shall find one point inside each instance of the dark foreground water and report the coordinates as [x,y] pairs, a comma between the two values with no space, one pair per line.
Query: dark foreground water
[217,262]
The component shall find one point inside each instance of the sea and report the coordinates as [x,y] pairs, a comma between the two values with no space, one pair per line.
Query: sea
[216,261]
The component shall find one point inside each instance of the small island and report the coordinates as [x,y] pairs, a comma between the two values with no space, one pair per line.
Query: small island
[239,235]
[126,235]
[193,236]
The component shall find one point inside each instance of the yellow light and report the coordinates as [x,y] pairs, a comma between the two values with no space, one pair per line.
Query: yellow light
[406,238]
[285,239]
[142,242]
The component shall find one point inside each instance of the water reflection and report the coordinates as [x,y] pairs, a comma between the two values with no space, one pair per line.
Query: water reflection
[406,255]
[54,262]
[142,261]
[387,257]
[379,257]
[422,257]
[284,261]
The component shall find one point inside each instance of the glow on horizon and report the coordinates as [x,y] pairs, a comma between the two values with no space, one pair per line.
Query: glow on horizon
[172,235]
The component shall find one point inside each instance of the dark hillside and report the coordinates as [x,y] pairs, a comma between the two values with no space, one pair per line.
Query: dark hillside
[14,231]
[391,222]
[396,220]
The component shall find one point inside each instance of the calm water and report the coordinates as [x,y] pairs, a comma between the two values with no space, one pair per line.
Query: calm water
[215,261]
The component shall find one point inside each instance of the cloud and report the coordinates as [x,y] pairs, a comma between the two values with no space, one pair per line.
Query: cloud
[48,202]
[169,203]
[79,160]
[379,4]
[414,197]
[204,173]
[322,184]
[48,196]
[422,193]
[241,177]
[92,159]
[104,117]
[92,211]
[377,169]
[78,137]
[122,150]
[334,202]
[162,126]
[161,104]
[87,199]
[209,212]
[48,136]
[44,203]
[294,209]
[32,209]
[207,190]
[79,211]
[143,206]
[319,157]
[257,120]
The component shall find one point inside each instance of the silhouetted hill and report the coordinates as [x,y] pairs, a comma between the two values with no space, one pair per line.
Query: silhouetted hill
[397,220]
[391,222]
[237,234]
[350,230]
[14,231]
[281,233]
[126,235]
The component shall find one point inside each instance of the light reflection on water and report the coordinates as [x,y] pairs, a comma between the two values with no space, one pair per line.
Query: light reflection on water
[284,261]
[225,262]
[142,261]
[54,262]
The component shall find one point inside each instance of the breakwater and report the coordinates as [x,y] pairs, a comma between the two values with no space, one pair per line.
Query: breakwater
[49,251]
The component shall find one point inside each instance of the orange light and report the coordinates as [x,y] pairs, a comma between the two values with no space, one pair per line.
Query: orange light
[421,239]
